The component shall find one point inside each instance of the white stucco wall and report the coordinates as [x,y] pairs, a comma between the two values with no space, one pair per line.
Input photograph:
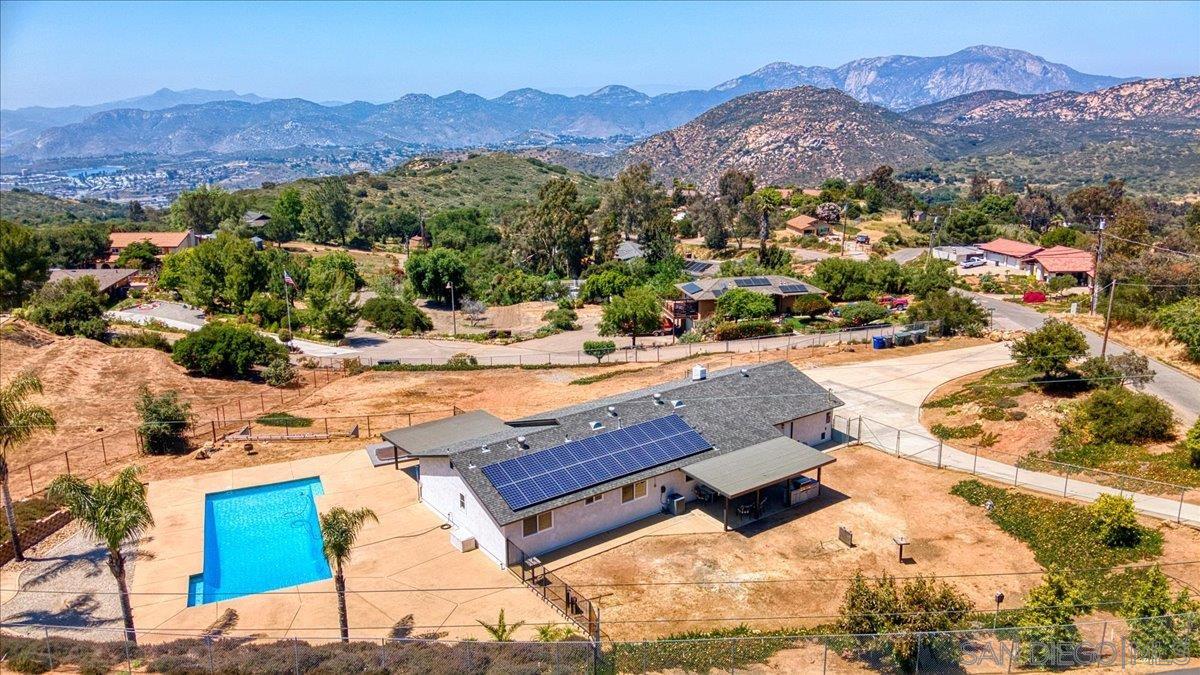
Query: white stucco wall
[810,429]
[440,488]
[1002,260]
[577,520]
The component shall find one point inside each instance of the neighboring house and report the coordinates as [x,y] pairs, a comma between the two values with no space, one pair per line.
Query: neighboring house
[807,226]
[113,282]
[255,219]
[959,254]
[1003,252]
[530,486]
[786,194]
[629,250]
[706,291]
[1059,260]
[167,242]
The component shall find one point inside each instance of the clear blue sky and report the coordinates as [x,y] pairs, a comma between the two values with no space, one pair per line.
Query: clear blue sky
[64,53]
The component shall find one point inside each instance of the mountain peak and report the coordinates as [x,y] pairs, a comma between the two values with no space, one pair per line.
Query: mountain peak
[617,91]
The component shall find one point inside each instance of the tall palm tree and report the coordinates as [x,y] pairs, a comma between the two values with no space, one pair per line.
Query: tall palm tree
[19,421]
[339,529]
[116,513]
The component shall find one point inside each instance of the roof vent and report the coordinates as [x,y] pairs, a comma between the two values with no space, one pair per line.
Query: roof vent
[677,404]
[521,441]
[470,466]
[699,373]
[745,373]
[484,448]
[612,410]
[658,399]
[596,426]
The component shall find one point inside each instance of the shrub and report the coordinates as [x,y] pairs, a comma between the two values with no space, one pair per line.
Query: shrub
[1051,348]
[1192,445]
[609,283]
[947,432]
[741,330]
[280,373]
[957,314]
[394,314]
[598,349]
[1182,321]
[266,309]
[811,304]
[561,319]
[226,350]
[1115,521]
[143,339]
[863,313]
[462,359]
[741,303]
[1117,415]
[992,414]
[284,419]
[285,335]
[1114,370]
[165,419]
[72,306]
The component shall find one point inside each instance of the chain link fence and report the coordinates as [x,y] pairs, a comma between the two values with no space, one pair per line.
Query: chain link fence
[1162,642]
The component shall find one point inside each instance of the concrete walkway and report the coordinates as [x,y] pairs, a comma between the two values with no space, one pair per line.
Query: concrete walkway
[887,396]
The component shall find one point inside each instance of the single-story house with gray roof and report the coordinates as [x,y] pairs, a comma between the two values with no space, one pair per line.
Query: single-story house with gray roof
[525,487]
[704,292]
[113,281]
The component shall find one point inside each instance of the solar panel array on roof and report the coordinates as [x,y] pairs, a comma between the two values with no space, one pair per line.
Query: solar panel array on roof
[576,465]
[747,282]
[697,266]
[793,288]
[691,288]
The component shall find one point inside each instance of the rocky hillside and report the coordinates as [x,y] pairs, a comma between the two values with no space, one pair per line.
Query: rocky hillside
[796,135]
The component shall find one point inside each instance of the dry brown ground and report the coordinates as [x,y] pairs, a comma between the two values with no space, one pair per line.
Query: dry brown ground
[875,495]
[1144,339]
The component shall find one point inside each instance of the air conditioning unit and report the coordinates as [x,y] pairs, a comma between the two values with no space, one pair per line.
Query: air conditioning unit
[699,373]
[677,505]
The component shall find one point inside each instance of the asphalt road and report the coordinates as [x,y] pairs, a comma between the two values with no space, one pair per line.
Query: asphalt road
[1174,386]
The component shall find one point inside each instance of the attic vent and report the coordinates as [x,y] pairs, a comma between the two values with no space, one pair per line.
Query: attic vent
[612,410]
[658,399]
[676,404]
[521,441]
[745,373]
[484,448]
[596,426]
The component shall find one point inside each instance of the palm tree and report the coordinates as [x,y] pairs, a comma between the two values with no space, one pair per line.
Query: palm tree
[116,513]
[502,631]
[339,529]
[19,421]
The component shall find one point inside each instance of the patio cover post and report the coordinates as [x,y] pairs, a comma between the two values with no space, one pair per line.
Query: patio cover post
[725,517]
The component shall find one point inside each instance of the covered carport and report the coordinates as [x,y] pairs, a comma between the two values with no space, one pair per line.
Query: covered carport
[779,463]
[432,438]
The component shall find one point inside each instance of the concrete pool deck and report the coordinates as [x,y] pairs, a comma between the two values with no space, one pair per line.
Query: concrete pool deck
[403,565]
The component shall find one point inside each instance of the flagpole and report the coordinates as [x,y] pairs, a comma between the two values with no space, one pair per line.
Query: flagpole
[287,301]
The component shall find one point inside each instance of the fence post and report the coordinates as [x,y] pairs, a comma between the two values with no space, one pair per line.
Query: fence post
[824,656]
[1016,474]
[49,653]
[1179,516]
[67,456]
[29,468]
[214,430]
[295,656]
[262,401]
[919,644]
[209,641]
[239,405]
[368,426]
[732,655]
[103,452]
[975,462]
[897,442]
[939,453]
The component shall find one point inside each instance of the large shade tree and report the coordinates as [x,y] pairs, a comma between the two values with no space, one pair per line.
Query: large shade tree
[19,421]
[339,531]
[116,514]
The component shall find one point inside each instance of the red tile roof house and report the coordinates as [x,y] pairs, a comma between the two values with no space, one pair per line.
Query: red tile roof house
[1008,253]
[167,242]
[1059,260]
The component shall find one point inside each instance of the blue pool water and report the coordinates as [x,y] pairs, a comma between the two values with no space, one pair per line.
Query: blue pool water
[259,539]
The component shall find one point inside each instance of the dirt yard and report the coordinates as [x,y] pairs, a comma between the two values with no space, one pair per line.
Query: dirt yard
[874,495]
[525,317]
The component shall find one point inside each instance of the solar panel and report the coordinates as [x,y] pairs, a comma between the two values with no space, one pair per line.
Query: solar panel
[793,288]
[697,266]
[748,282]
[718,292]
[692,288]
[575,465]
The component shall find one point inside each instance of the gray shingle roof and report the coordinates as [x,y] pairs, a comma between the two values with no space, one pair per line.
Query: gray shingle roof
[629,250]
[105,278]
[730,410]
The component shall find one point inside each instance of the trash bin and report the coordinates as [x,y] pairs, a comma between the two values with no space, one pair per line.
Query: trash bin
[889,341]
[920,335]
[904,339]
[878,342]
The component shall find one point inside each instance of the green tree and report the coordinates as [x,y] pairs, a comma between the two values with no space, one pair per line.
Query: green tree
[1118,415]
[501,631]
[74,246]
[734,187]
[607,283]
[1060,283]
[203,209]
[598,349]
[395,314]
[1160,625]
[165,420]
[19,422]
[640,207]
[637,312]
[71,306]
[811,305]
[1063,236]
[1115,521]
[221,349]
[285,216]
[140,255]
[711,218]
[331,311]
[957,314]
[430,272]
[925,277]
[1047,620]
[23,264]
[461,229]
[137,213]
[741,303]
[339,532]
[1051,348]
[220,274]
[552,234]
[280,372]
[966,226]
[116,514]
[863,313]
[328,212]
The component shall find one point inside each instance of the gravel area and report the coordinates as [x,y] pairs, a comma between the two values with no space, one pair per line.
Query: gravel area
[75,565]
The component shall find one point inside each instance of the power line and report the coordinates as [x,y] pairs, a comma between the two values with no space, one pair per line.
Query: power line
[1156,247]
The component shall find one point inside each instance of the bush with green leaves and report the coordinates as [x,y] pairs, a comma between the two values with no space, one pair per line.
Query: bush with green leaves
[561,318]
[955,314]
[462,359]
[432,272]
[847,279]
[1115,370]
[1047,622]
[741,303]
[811,305]
[598,349]
[1060,283]
[1117,415]
[1051,348]
[280,373]
[394,314]
[266,309]
[863,313]
[637,312]
[1115,521]
[142,339]
[164,421]
[72,306]
[741,330]
[946,433]
[1182,321]
[1191,444]
[222,349]
[607,284]
[1161,625]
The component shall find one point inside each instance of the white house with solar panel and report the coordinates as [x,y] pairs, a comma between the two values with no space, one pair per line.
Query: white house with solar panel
[743,441]
[704,292]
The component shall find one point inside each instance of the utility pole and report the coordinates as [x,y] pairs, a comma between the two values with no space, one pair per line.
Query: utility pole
[1112,286]
[845,222]
[1097,258]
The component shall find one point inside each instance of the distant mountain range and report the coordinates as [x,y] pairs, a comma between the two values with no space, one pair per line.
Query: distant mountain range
[806,134]
[174,123]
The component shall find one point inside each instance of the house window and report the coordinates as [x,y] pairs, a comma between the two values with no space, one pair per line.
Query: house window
[534,524]
[462,501]
[822,435]
[593,499]
[632,492]
[828,417]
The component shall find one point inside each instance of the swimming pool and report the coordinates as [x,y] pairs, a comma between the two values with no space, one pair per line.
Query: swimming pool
[259,539]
